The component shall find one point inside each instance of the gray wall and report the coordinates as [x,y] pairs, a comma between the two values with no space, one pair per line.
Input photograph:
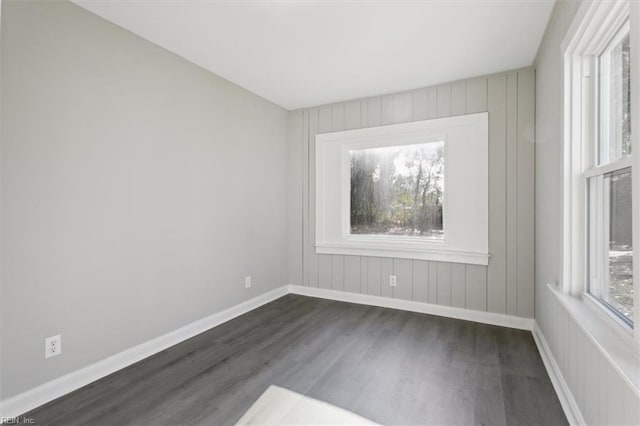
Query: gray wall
[599,390]
[506,285]
[138,191]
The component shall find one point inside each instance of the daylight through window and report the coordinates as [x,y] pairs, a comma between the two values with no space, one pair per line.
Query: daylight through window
[610,214]
[398,190]
[416,190]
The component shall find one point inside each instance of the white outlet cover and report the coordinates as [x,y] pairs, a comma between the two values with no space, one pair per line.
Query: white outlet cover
[247,281]
[52,346]
[392,280]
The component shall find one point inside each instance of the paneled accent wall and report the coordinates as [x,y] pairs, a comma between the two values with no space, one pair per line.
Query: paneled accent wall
[506,284]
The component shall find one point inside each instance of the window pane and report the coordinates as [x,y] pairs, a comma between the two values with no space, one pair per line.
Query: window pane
[610,241]
[615,101]
[398,190]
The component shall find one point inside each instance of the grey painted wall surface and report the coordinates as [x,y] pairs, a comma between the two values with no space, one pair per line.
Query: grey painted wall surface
[138,191]
[506,285]
[599,390]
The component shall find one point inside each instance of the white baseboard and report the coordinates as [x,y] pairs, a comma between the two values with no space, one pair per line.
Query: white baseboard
[49,391]
[421,307]
[568,402]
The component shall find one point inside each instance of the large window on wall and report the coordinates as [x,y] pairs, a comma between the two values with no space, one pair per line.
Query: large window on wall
[415,190]
[599,163]
[398,190]
[609,182]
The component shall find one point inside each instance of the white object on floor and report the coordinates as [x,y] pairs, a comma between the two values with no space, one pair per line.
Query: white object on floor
[279,406]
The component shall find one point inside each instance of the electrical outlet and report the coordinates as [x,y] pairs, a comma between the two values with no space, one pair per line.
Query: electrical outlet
[392,280]
[52,346]
[247,281]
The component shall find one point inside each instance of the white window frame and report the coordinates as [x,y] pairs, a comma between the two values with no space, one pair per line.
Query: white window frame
[592,30]
[465,205]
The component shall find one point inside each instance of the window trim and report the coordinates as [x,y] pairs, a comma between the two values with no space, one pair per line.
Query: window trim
[466,236]
[592,30]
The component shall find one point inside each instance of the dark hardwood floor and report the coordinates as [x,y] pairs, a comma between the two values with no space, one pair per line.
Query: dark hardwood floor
[390,366]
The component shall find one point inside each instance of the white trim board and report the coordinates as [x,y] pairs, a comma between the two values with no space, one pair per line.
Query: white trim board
[464,145]
[420,307]
[61,386]
[56,388]
[568,402]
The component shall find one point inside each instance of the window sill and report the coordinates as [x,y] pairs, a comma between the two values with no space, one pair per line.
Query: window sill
[402,250]
[616,344]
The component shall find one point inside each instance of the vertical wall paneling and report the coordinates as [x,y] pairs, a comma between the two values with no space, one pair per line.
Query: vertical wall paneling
[572,337]
[386,269]
[432,110]
[337,272]
[511,192]
[581,364]
[374,112]
[364,113]
[324,271]
[506,285]
[387,109]
[374,282]
[458,285]
[307,243]
[476,291]
[352,120]
[313,257]
[403,107]
[364,275]
[497,269]
[325,124]
[443,101]
[352,115]
[433,282]
[420,104]
[443,277]
[352,274]
[604,412]
[477,95]
[337,117]
[421,280]
[631,406]
[615,396]
[325,119]
[459,98]
[591,411]
[525,206]
[403,270]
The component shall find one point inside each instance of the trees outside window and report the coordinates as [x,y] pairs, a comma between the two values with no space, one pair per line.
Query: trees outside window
[398,190]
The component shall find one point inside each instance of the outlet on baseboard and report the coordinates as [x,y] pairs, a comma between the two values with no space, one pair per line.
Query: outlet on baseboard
[392,280]
[247,281]
[52,346]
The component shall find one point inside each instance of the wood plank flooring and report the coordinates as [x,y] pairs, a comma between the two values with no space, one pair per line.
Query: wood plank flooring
[390,366]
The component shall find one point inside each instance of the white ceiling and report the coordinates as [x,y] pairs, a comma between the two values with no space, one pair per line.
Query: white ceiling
[306,53]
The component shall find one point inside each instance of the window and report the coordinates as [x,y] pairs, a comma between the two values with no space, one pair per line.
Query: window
[614,99]
[381,191]
[610,245]
[610,227]
[599,166]
[398,190]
